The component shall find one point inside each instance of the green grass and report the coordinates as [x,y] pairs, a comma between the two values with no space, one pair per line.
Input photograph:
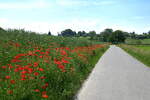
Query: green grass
[141,52]
[137,41]
[42,67]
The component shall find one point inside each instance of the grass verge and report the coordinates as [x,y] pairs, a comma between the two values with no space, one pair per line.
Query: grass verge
[141,52]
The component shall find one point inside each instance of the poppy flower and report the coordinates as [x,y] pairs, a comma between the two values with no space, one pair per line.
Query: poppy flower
[37,90]
[61,66]
[44,95]
[35,64]
[12,81]
[41,69]
[7,77]
[36,73]
[10,91]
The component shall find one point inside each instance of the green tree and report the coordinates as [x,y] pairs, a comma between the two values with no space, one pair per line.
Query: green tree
[106,34]
[68,32]
[117,36]
[49,33]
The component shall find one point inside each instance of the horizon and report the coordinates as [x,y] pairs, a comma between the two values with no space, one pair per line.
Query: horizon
[88,15]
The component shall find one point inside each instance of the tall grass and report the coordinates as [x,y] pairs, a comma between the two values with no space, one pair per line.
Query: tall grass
[142,52]
[39,67]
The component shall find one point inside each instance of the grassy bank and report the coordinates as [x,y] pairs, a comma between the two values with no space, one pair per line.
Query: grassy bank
[42,67]
[141,52]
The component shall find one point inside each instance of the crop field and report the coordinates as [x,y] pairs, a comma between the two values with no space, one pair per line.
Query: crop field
[141,52]
[42,67]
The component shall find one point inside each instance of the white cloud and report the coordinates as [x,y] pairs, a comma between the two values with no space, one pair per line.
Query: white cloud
[24,5]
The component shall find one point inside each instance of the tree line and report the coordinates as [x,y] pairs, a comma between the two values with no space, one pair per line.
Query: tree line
[108,35]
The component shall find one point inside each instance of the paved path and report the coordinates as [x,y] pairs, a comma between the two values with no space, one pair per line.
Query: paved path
[117,76]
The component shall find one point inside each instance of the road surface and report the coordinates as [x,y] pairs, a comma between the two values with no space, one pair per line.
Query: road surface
[117,76]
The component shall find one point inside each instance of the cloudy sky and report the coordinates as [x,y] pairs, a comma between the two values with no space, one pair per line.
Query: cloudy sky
[57,15]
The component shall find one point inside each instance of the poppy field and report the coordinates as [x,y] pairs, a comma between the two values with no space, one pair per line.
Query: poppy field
[42,67]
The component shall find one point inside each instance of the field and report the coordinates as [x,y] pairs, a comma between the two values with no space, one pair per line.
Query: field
[42,67]
[137,41]
[141,52]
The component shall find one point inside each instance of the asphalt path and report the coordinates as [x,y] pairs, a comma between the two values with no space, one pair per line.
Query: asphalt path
[117,76]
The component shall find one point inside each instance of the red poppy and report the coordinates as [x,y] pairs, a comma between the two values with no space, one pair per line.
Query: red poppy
[42,77]
[36,73]
[10,91]
[40,69]
[35,64]
[61,66]
[57,62]
[44,95]
[24,72]
[37,90]
[22,79]
[4,67]
[64,61]
[7,77]
[23,76]
[12,81]
[63,52]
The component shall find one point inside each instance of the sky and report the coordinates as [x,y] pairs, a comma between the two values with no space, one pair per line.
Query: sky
[56,15]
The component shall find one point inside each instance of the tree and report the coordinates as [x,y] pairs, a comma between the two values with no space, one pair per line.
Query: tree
[81,33]
[117,36]
[49,33]
[133,35]
[1,29]
[106,34]
[68,32]
[92,34]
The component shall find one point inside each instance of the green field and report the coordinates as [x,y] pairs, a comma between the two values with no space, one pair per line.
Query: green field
[141,52]
[42,67]
[137,41]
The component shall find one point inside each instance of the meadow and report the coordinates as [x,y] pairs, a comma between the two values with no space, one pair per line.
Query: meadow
[141,52]
[138,41]
[42,67]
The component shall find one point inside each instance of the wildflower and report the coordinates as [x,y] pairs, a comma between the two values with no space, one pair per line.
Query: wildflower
[24,72]
[44,95]
[10,91]
[57,62]
[41,56]
[7,77]
[64,61]
[36,73]
[42,77]
[41,69]
[12,81]
[63,52]
[35,64]
[37,90]
[4,67]
[23,79]
[61,66]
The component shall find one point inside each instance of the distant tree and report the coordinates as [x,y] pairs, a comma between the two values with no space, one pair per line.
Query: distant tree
[92,34]
[1,29]
[106,34]
[117,36]
[81,33]
[68,32]
[49,33]
[133,35]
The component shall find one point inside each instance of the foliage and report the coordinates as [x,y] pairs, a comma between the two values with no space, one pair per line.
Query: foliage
[68,32]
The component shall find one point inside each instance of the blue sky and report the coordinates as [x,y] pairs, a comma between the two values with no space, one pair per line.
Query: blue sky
[57,15]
